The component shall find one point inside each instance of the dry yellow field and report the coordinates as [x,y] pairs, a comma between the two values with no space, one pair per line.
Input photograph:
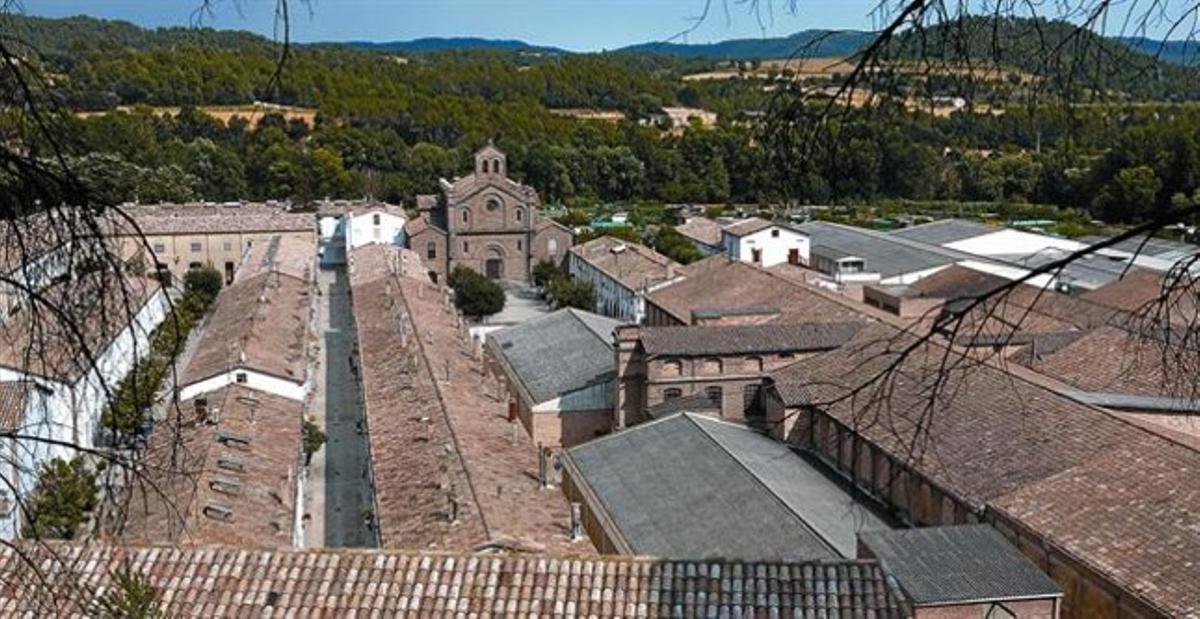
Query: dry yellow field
[253,113]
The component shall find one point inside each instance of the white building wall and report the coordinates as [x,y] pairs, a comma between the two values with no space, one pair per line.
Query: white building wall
[613,299]
[775,242]
[362,229]
[254,380]
[330,227]
[60,419]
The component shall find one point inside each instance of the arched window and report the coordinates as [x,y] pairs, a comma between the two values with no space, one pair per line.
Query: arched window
[493,204]
[375,219]
[552,247]
[712,366]
[520,214]
[714,394]
[672,367]
[672,393]
[754,364]
[431,250]
[466,216]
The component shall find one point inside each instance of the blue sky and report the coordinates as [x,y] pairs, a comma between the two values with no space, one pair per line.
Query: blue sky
[573,24]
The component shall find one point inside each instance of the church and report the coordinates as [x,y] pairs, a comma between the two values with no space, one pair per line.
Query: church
[486,222]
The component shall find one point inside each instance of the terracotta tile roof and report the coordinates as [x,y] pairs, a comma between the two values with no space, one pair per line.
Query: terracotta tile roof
[1004,439]
[282,254]
[1129,512]
[415,466]
[490,463]
[261,323]
[227,478]
[747,339]
[1139,290]
[701,229]
[980,435]
[226,582]
[1112,360]
[49,344]
[219,218]
[719,282]
[13,396]
[635,266]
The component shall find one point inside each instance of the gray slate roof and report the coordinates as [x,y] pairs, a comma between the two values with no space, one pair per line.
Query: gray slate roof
[746,339]
[694,403]
[939,565]
[945,231]
[558,353]
[886,254]
[688,486]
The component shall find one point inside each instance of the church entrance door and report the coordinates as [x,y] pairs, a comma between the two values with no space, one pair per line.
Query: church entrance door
[494,267]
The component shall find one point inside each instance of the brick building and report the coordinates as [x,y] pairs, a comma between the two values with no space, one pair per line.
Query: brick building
[725,364]
[486,222]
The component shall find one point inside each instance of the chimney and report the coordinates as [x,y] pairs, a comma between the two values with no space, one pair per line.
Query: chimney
[576,522]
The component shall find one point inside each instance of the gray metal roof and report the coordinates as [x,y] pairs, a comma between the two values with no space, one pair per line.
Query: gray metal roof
[558,353]
[689,486]
[747,339]
[885,254]
[945,231]
[939,565]
[1165,249]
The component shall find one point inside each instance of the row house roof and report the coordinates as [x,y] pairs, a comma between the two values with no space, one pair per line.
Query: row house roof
[222,468]
[71,580]
[259,322]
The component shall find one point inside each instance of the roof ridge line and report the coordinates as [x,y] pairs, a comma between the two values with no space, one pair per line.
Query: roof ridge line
[694,419]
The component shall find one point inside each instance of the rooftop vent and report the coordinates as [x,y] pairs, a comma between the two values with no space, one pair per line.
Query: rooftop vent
[619,249]
[218,511]
[230,463]
[230,439]
[225,485]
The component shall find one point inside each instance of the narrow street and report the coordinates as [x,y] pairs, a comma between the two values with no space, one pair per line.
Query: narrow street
[339,490]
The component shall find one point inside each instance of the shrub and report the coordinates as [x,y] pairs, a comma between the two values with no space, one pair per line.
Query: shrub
[60,504]
[204,282]
[544,272]
[314,438]
[568,292]
[474,295]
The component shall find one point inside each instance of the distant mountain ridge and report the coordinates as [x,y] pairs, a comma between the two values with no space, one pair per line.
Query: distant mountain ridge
[62,38]
[811,43]
[442,44]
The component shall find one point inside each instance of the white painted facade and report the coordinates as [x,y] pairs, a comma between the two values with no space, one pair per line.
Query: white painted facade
[32,276]
[767,247]
[374,227]
[247,377]
[69,414]
[613,298]
[330,227]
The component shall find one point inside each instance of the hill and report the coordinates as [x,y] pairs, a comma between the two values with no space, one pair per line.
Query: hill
[438,44]
[811,43]
[1055,51]
[1185,53]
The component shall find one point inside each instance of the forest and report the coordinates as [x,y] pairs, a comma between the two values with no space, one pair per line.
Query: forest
[389,126]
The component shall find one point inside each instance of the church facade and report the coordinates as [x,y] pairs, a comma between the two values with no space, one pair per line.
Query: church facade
[486,222]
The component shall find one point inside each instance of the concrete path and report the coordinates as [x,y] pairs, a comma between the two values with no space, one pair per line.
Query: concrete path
[339,489]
